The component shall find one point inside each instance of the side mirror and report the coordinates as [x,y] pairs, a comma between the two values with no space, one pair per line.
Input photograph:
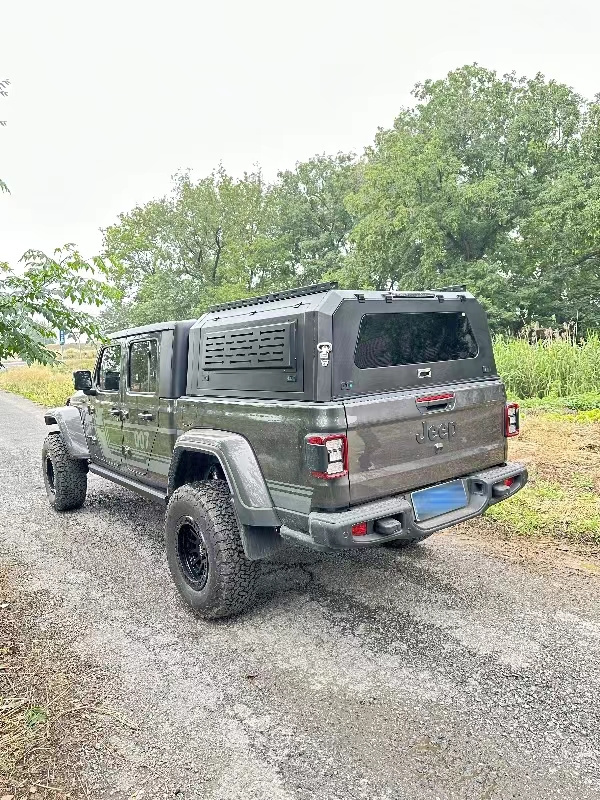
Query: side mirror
[82,380]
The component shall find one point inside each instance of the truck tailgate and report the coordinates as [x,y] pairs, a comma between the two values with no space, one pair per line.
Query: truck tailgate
[399,441]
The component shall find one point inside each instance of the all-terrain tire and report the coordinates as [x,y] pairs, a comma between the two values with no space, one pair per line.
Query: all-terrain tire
[65,478]
[205,553]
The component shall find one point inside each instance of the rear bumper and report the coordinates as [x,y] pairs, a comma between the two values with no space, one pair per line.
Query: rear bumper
[330,531]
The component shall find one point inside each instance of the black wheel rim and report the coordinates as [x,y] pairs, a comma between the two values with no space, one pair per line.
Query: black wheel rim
[192,554]
[50,474]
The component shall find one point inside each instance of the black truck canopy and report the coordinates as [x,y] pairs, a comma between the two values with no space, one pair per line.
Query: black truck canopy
[320,343]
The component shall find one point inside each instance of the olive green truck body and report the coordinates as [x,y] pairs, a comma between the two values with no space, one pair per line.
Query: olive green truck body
[338,419]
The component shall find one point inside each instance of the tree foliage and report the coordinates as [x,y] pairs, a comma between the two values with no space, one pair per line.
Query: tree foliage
[47,297]
[220,239]
[4,84]
[493,182]
[486,180]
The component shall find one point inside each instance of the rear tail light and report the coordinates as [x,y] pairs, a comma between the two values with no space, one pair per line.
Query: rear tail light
[511,420]
[359,529]
[327,456]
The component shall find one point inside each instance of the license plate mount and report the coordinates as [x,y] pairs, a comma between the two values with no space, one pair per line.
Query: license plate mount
[438,500]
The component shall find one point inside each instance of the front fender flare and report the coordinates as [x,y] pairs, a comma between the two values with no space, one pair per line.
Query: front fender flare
[70,425]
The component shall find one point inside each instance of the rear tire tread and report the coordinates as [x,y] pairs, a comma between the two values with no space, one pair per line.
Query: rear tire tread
[234,579]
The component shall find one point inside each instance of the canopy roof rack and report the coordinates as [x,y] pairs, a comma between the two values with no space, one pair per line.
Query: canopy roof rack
[455,288]
[302,291]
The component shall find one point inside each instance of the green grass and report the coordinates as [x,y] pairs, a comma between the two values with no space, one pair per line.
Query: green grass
[546,509]
[562,499]
[551,369]
[585,417]
[579,402]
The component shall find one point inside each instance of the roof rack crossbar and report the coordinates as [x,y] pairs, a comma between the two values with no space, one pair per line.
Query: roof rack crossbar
[302,291]
[391,295]
[456,288]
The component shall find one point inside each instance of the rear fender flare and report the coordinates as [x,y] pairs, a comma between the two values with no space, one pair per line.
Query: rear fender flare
[70,426]
[258,519]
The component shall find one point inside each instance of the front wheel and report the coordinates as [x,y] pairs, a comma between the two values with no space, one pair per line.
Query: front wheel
[205,553]
[65,478]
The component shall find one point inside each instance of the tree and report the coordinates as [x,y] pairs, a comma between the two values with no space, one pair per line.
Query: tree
[220,239]
[45,298]
[313,223]
[202,243]
[484,182]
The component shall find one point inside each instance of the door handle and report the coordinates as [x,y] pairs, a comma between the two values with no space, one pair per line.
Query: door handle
[115,412]
[145,415]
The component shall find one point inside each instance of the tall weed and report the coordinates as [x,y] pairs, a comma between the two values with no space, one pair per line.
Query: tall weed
[553,367]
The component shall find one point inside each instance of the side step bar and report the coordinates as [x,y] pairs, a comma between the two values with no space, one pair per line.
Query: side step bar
[150,492]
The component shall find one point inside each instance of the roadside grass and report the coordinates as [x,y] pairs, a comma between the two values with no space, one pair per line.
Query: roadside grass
[73,353]
[23,706]
[589,401]
[48,386]
[42,731]
[551,368]
[562,498]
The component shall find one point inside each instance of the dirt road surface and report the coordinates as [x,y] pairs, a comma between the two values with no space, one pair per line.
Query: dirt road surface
[442,672]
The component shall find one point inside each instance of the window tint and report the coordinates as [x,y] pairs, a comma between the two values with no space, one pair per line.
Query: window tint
[388,340]
[110,369]
[143,363]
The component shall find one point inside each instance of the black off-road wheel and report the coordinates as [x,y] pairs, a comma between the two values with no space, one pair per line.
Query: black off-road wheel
[65,478]
[205,553]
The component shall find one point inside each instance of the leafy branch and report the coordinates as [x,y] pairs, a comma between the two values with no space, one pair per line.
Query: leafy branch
[46,297]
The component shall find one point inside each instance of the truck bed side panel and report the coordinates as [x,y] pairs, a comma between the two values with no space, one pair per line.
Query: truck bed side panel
[276,431]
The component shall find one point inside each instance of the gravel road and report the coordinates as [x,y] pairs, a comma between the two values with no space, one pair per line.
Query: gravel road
[442,672]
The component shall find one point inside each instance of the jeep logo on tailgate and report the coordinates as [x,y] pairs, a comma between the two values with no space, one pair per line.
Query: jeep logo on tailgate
[445,430]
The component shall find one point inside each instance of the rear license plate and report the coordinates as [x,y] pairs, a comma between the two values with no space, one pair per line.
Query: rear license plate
[437,500]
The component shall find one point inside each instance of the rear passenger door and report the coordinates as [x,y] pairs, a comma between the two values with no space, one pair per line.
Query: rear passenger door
[140,420]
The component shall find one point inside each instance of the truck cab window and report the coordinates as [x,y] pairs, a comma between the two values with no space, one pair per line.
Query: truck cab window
[143,366]
[110,369]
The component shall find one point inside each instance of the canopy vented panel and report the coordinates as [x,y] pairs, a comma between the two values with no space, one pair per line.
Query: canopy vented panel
[255,347]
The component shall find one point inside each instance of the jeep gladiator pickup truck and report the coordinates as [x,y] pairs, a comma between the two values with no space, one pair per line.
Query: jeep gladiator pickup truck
[334,419]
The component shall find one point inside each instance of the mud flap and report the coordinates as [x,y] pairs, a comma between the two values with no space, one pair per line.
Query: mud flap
[260,542]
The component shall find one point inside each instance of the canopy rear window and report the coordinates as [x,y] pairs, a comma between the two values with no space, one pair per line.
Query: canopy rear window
[390,340]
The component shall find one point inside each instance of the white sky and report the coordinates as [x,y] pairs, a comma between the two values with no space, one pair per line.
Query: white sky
[109,99]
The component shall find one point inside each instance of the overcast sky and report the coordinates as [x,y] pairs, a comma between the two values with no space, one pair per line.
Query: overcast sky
[109,99]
